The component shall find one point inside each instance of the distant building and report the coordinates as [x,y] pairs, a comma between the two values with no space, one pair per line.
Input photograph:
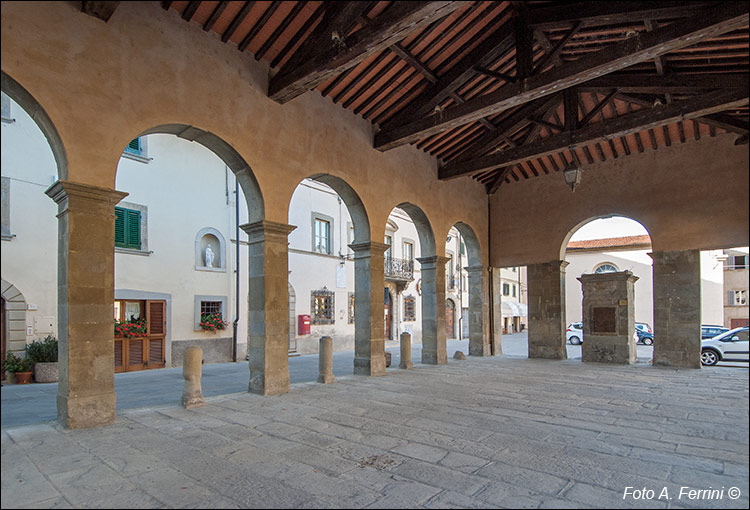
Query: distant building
[631,253]
[736,288]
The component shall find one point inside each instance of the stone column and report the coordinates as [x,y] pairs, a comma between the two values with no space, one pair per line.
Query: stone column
[325,360]
[546,283]
[268,317]
[192,371]
[86,295]
[497,312]
[609,317]
[369,302]
[433,310]
[479,311]
[406,352]
[677,308]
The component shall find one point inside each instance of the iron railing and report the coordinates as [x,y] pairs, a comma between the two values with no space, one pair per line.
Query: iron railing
[399,269]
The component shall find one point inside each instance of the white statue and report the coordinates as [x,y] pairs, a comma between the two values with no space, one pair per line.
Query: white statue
[209,256]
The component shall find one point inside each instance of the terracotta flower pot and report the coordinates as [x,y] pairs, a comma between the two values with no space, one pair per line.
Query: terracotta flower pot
[23,377]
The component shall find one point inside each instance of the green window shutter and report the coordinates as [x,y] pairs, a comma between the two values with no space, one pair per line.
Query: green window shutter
[119,226]
[133,229]
[127,228]
[134,146]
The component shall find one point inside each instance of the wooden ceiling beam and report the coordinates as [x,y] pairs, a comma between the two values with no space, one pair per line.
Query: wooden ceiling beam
[100,10]
[611,12]
[192,6]
[626,124]
[709,23]
[510,125]
[239,18]
[672,83]
[484,54]
[215,15]
[393,25]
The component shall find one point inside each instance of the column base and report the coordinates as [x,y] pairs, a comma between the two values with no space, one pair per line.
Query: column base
[479,350]
[434,357]
[260,385]
[547,352]
[326,379]
[87,412]
[367,366]
[676,359]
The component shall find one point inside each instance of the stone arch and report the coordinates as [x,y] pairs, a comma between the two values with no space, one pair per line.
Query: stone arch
[478,278]
[229,155]
[424,228]
[25,100]
[353,202]
[14,317]
[588,220]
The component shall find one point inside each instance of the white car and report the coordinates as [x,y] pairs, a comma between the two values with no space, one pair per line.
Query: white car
[574,333]
[729,346]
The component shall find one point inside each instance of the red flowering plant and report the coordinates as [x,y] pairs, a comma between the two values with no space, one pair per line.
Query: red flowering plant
[131,328]
[212,322]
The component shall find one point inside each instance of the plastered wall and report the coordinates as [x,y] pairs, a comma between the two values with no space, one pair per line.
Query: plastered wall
[102,84]
[688,196]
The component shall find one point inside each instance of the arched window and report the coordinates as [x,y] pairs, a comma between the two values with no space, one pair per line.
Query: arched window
[605,268]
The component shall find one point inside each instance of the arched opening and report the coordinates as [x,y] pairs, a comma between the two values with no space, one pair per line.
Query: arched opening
[182,271]
[467,282]
[331,226]
[416,290]
[33,156]
[608,246]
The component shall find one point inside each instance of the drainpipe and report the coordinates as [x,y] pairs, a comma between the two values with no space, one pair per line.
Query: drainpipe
[237,267]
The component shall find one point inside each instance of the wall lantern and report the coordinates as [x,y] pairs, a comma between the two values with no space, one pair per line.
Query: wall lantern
[572,176]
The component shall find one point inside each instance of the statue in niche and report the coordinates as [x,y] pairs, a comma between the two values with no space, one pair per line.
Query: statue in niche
[209,256]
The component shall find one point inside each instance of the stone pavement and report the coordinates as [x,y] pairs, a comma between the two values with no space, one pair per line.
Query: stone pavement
[480,433]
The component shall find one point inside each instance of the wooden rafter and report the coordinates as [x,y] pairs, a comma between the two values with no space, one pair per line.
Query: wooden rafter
[671,83]
[400,19]
[620,126]
[712,22]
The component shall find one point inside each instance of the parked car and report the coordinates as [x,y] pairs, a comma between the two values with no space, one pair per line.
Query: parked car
[644,326]
[574,333]
[711,330]
[644,337]
[729,346]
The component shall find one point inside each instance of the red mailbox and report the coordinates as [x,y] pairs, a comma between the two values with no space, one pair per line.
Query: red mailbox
[303,324]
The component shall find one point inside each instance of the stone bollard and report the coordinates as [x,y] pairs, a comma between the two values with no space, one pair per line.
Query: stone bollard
[325,360]
[406,352]
[459,355]
[192,396]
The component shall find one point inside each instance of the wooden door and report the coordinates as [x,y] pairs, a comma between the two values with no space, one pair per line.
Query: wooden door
[450,318]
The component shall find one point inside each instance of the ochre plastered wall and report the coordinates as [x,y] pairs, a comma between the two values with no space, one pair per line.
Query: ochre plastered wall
[103,84]
[688,196]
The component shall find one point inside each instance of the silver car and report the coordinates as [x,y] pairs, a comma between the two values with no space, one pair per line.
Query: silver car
[729,346]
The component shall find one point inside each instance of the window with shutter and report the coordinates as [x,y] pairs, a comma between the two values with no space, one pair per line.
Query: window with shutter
[127,228]
[134,147]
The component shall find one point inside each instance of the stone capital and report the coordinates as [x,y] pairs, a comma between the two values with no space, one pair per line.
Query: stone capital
[432,262]
[666,257]
[265,230]
[367,248]
[62,190]
[476,270]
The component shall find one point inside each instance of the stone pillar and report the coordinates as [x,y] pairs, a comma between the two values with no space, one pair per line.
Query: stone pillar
[86,295]
[497,312]
[433,310]
[406,352]
[325,360]
[546,283]
[609,317]
[369,302]
[677,308]
[268,317]
[479,311]
[192,371]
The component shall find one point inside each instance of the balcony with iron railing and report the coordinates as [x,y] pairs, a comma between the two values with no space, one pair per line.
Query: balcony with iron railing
[399,269]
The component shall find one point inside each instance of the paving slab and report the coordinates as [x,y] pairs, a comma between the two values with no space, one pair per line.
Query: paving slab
[481,433]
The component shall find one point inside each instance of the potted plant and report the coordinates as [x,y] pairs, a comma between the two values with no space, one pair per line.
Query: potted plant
[43,354]
[212,322]
[132,328]
[19,367]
